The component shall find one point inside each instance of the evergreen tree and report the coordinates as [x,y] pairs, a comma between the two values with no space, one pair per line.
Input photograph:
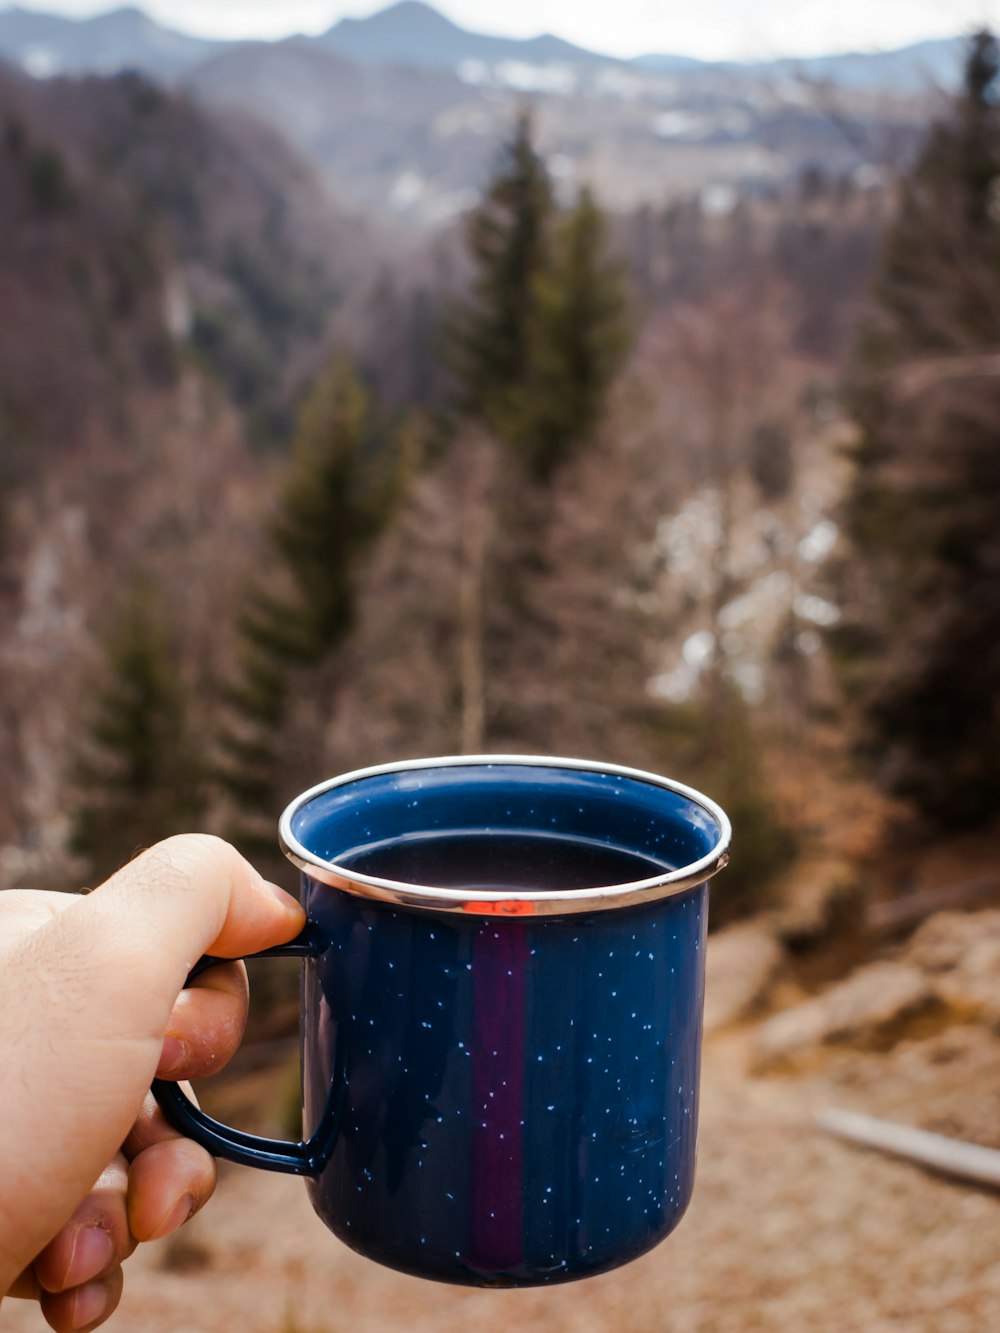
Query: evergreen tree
[138,773]
[536,346]
[920,643]
[534,350]
[334,498]
[337,495]
[576,341]
[507,239]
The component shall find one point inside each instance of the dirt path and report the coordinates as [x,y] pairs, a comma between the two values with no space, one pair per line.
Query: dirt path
[789,1230]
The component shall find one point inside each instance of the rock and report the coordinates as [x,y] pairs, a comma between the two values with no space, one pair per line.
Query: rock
[960,954]
[741,967]
[944,941]
[871,1010]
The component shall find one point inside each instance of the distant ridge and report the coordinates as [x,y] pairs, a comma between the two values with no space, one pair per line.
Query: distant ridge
[916,69]
[49,44]
[413,33]
[912,69]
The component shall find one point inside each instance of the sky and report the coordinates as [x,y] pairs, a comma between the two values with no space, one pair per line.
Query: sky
[710,29]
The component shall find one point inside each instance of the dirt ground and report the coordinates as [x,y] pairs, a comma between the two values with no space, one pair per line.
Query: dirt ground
[789,1229]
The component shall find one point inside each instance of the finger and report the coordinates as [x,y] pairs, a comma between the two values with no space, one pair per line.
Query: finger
[95,1239]
[179,1170]
[167,1186]
[151,1126]
[197,891]
[85,1307]
[189,895]
[168,1183]
[206,1024]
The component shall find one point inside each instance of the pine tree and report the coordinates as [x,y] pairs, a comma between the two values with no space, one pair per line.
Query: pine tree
[507,239]
[920,643]
[334,499]
[534,350]
[537,344]
[138,773]
[577,339]
[942,258]
[338,493]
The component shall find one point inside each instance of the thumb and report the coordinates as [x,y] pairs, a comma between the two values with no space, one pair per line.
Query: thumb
[187,896]
[84,1003]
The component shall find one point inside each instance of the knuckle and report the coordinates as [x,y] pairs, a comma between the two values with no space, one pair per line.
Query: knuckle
[176,861]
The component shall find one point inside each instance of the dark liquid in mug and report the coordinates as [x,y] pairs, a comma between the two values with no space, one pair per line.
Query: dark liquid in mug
[537,862]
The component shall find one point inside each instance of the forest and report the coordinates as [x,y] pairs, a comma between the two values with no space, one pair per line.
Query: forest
[710,490]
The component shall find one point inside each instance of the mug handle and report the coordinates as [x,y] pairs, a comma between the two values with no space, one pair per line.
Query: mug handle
[304,1158]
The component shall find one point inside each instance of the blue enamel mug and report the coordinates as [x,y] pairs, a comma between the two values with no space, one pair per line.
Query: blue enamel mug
[501,1013]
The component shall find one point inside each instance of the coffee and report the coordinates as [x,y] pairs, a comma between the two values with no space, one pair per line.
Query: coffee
[503,862]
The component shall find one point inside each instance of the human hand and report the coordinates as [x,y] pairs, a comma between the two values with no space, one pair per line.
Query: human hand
[91,1009]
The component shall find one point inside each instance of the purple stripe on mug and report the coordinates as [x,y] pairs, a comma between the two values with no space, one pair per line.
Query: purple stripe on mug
[499,959]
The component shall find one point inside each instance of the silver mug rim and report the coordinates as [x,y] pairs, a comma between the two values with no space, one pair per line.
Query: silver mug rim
[506,903]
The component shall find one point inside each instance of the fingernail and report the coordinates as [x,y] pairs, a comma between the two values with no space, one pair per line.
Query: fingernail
[92,1252]
[282,895]
[89,1303]
[172,1056]
[184,1208]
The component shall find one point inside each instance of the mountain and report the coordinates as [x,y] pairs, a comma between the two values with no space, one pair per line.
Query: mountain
[48,44]
[666,63]
[408,33]
[909,71]
[413,33]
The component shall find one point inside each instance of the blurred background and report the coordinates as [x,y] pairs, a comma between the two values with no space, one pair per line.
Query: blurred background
[424,385]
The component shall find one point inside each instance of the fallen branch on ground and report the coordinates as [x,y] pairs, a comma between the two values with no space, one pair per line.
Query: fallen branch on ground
[937,1152]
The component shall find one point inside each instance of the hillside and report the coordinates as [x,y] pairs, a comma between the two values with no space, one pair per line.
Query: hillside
[415,144]
[169,280]
[250,278]
[370,130]
[153,226]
